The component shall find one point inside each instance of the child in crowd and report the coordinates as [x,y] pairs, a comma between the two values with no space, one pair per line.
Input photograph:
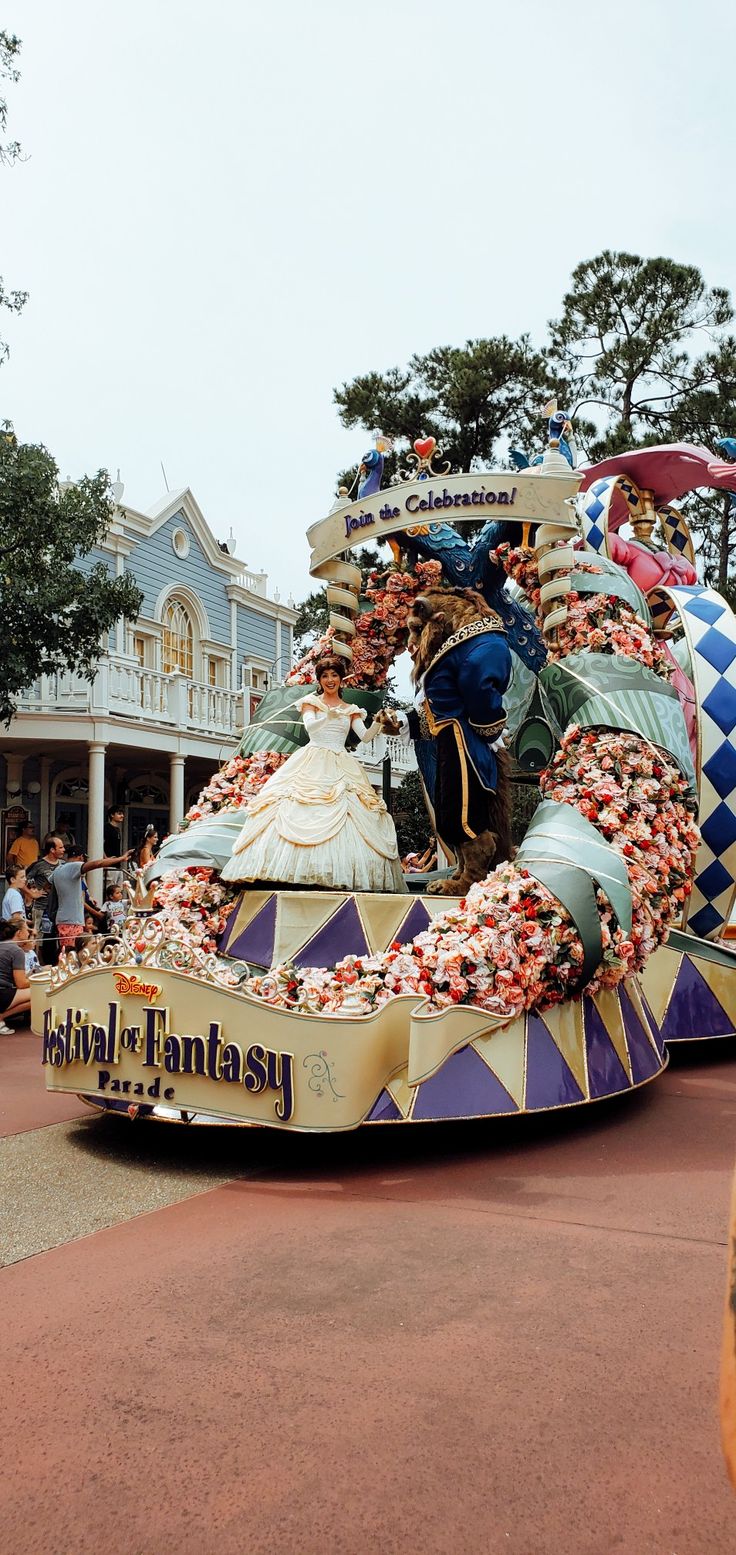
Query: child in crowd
[18,895]
[90,941]
[27,942]
[116,909]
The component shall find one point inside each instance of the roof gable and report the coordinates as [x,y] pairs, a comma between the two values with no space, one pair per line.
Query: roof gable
[183,503]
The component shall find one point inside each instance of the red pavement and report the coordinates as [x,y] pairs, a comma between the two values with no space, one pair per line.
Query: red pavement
[24,1102]
[495,1339]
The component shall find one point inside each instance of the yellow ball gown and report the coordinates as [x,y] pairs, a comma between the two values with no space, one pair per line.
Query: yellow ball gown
[318,821]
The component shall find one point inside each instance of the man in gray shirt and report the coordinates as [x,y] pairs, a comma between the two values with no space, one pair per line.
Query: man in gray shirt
[41,874]
[68,884]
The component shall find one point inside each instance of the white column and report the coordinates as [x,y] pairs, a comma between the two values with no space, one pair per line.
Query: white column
[45,796]
[96,813]
[14,779]
[176,791]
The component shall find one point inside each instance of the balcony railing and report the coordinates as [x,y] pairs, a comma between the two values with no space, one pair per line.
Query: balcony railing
[124,689]
[402,756]
[255,582]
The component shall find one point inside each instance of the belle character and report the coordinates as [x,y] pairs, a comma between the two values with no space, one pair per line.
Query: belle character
[318,821]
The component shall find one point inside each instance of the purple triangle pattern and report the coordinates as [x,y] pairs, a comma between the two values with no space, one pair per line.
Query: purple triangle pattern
[256,942]
[342,935]
[463,1088]
[693,1010]
[385,1110]
[415,922]
[549,1079]
[606,1073]
[644,1061]
[230,924]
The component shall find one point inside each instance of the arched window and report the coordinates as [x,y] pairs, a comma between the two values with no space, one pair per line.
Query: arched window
[178,645]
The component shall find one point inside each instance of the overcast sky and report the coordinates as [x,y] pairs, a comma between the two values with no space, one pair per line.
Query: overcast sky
[229,209]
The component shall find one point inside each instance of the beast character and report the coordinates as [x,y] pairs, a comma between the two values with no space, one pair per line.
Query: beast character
[462,662]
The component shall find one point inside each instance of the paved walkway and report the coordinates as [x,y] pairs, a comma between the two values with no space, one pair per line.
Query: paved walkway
[500,1338]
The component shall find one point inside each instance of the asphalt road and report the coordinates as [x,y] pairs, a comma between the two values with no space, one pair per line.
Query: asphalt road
[494,1337]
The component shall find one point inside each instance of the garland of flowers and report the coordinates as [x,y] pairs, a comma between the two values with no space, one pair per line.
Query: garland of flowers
[510,946]
[598,623]
[381,632]
[235,783]
[193,905]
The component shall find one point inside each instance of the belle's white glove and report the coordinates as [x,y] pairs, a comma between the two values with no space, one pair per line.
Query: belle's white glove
[402,732]
[499,744]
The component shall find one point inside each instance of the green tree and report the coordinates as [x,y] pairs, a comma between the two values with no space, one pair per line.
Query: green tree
[704,416]
[54,615]
[467,397]
[413,826]
[623,346]
[9,153]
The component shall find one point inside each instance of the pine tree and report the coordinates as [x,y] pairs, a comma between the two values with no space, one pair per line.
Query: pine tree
[624,346]
[467,397]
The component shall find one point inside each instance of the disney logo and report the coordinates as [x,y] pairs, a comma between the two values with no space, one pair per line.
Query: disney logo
[133,986]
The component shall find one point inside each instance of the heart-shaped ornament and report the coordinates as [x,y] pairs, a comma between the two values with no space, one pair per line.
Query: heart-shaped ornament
[424,446]
[133,1112]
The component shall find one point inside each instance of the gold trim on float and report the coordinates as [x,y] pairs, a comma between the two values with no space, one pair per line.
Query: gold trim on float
[404,1095]
[504,1054]
[612,1016]
[635,995]
[530,1112]
[213,1120]
[659,982]
[566,1026]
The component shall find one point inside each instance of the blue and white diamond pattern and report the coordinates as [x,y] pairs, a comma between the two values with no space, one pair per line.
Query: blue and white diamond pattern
[710,628]
[593,507]
[676,533]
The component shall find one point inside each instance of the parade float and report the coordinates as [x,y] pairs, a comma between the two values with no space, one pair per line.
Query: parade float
[558,979]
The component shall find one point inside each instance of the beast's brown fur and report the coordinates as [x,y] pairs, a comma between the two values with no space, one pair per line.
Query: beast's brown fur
[436,615]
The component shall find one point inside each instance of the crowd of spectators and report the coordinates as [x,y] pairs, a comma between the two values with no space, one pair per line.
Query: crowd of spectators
[47,907]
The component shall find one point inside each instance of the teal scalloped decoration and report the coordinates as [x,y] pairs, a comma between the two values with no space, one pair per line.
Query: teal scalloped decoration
[204,844]
[277,726]
[534,745]
[600,690]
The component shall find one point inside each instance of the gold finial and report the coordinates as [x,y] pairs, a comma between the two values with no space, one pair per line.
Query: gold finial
[645,520]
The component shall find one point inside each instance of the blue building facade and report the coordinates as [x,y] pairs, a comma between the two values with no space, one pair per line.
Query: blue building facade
[170,696]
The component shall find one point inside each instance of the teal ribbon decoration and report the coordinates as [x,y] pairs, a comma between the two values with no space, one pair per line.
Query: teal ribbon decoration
[557,842]
[605,691]
[207,844]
